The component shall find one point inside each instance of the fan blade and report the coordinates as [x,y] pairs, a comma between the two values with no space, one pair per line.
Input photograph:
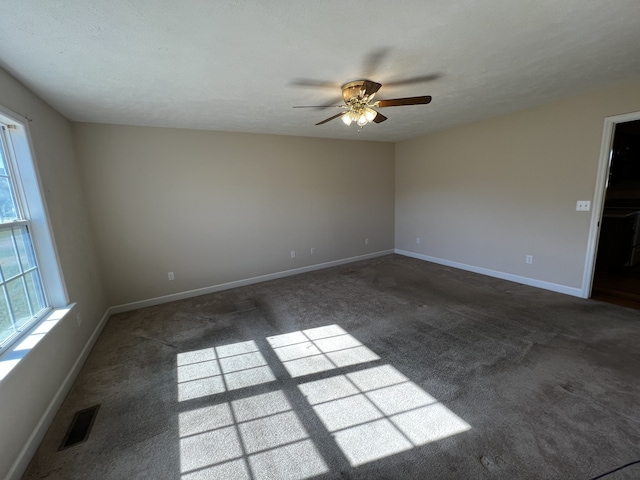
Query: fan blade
[319,106]
[331,118]
[332,102]
[370,87]
[379,118]
[307,82]
[413,80]
[398,102]
[373,60]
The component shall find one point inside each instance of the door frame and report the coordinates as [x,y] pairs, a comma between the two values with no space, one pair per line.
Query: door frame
[604,165]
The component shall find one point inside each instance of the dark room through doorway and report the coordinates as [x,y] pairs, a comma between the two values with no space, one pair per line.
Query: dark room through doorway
[617,270]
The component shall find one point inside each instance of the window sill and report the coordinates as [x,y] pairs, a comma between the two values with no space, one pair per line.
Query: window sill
[10,358]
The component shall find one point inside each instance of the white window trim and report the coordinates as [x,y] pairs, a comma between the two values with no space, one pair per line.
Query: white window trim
[29,193]
[35,207]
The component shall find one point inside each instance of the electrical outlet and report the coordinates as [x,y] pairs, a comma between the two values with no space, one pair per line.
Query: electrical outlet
[171,276]
[418,240]
[293,254]
[313,251]
[529,259]
[79,319]
[583,205]
[366,241]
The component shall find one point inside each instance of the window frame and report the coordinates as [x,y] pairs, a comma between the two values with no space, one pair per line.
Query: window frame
[22,277]
[33,215]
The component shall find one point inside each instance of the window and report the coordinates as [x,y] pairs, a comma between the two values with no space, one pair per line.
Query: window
[23,300]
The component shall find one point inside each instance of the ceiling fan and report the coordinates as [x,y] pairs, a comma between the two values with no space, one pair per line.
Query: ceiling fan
[359,106]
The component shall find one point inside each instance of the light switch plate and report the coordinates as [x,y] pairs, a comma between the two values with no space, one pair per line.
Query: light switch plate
[583,205]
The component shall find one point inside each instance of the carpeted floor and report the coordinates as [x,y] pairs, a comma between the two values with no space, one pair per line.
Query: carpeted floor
[391,368]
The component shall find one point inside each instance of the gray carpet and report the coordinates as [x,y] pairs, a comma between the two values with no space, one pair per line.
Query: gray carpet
[388,368]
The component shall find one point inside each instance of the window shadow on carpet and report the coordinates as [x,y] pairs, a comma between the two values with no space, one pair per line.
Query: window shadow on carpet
[297,406]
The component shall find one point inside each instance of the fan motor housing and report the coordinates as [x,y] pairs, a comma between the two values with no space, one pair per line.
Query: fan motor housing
[352,90]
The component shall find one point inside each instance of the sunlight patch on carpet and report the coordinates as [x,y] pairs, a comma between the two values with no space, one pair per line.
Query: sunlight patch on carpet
[318,350]
[218,369]
[369,412]
[377,412]
[255,437]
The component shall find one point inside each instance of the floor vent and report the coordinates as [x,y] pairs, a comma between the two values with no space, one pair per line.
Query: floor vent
[80,427]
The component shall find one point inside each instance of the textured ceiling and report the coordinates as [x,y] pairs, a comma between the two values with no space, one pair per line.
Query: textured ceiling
[241,65]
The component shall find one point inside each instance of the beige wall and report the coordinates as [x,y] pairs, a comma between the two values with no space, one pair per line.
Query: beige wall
[216,207]
[489,193]
[27,391]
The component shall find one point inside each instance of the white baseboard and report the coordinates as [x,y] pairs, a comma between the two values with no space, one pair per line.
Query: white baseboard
[241,283]
[33,442]
[554,287]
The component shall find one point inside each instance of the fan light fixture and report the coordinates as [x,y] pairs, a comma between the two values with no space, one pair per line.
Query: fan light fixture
[357,97]
[358,105]
[359,114]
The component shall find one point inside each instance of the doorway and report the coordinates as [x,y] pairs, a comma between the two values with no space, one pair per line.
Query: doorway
[616,277]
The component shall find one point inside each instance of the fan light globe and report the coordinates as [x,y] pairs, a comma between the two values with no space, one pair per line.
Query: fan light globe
[362,120]
[370,113]
[346,119]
